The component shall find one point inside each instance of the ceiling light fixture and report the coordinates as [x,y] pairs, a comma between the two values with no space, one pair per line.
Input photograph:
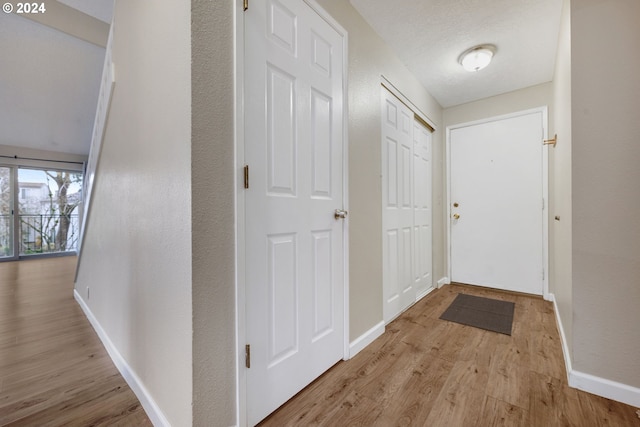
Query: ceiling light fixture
[476,58]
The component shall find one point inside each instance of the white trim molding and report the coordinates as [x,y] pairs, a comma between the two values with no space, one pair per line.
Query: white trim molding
[424,293]
[365,339]
[444,281]
[406,101]
[590,383]
[135,383]
[563,337]
[606,388]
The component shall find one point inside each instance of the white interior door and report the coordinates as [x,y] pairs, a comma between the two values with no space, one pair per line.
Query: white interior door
[406,206]
[497,206]
[422,212]
[294,246]
[397,197]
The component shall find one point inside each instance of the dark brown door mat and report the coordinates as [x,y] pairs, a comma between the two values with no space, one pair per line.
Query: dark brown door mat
[484,313]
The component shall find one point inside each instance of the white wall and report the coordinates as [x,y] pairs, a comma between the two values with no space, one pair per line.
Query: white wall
[605,90]
[560,278]
[369,58]
[137,254]
[510,102]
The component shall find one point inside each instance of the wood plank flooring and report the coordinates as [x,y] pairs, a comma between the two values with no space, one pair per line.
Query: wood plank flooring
[54,370]
[429,372]
[422,372]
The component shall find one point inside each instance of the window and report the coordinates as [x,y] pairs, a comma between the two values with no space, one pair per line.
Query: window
[49,210]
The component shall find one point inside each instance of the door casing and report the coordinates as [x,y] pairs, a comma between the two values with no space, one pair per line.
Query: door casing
[240,206]
[545,187]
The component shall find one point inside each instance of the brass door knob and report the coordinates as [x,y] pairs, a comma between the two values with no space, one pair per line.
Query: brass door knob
[456,216]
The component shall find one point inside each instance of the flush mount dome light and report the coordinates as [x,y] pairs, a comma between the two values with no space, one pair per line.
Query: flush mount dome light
[476,58]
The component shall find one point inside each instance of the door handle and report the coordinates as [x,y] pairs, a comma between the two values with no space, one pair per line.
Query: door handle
[340,214]
[456,216]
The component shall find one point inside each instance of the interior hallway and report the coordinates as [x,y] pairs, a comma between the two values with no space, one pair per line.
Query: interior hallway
[429,372]
[54,370]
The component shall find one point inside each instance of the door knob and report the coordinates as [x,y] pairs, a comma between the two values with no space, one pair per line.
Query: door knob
[456,216]
[340,214]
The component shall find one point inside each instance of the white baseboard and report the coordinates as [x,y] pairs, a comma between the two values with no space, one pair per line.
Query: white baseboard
[563,337]
[365,339]
[444,281]
[590,383]
[424,293]
[606,388]
[151,408]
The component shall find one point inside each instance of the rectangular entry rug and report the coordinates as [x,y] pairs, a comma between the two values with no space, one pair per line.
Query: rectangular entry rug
[484,313]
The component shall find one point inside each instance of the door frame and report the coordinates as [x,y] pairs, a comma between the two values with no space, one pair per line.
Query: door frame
[545,186]
[15,215]
[240,206]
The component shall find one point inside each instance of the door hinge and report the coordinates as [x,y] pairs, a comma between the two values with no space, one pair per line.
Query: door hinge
[247,355]
[246,176]
[542,204]
[246,4]
[543,274]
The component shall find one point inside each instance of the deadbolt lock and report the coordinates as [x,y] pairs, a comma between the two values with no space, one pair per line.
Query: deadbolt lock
[455,205]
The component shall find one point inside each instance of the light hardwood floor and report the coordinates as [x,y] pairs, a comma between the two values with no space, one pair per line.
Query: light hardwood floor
[429,372]
[54,370]
[422,372]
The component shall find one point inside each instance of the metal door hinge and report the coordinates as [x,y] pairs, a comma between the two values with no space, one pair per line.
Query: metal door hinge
[247,355]
[246,176]
[542,274]
[246,4]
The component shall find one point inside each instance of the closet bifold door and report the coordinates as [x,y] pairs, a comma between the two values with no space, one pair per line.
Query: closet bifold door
[406,206]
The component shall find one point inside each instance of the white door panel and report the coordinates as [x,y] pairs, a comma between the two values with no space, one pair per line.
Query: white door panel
[397,218]
[294,246]
[406,195]
[422,208]
[497,182]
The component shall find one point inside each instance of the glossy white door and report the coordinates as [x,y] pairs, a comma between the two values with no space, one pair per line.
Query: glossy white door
[406,207]
[422,212]
[497,192]
[294,245]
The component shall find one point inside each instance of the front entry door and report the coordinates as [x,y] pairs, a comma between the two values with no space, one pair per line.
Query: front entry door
[294,243]
[497,205]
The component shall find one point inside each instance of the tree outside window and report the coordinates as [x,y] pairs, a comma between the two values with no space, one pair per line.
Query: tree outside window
[49,220]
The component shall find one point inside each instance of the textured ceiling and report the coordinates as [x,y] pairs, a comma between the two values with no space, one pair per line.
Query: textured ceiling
[49,84]
[429,36]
